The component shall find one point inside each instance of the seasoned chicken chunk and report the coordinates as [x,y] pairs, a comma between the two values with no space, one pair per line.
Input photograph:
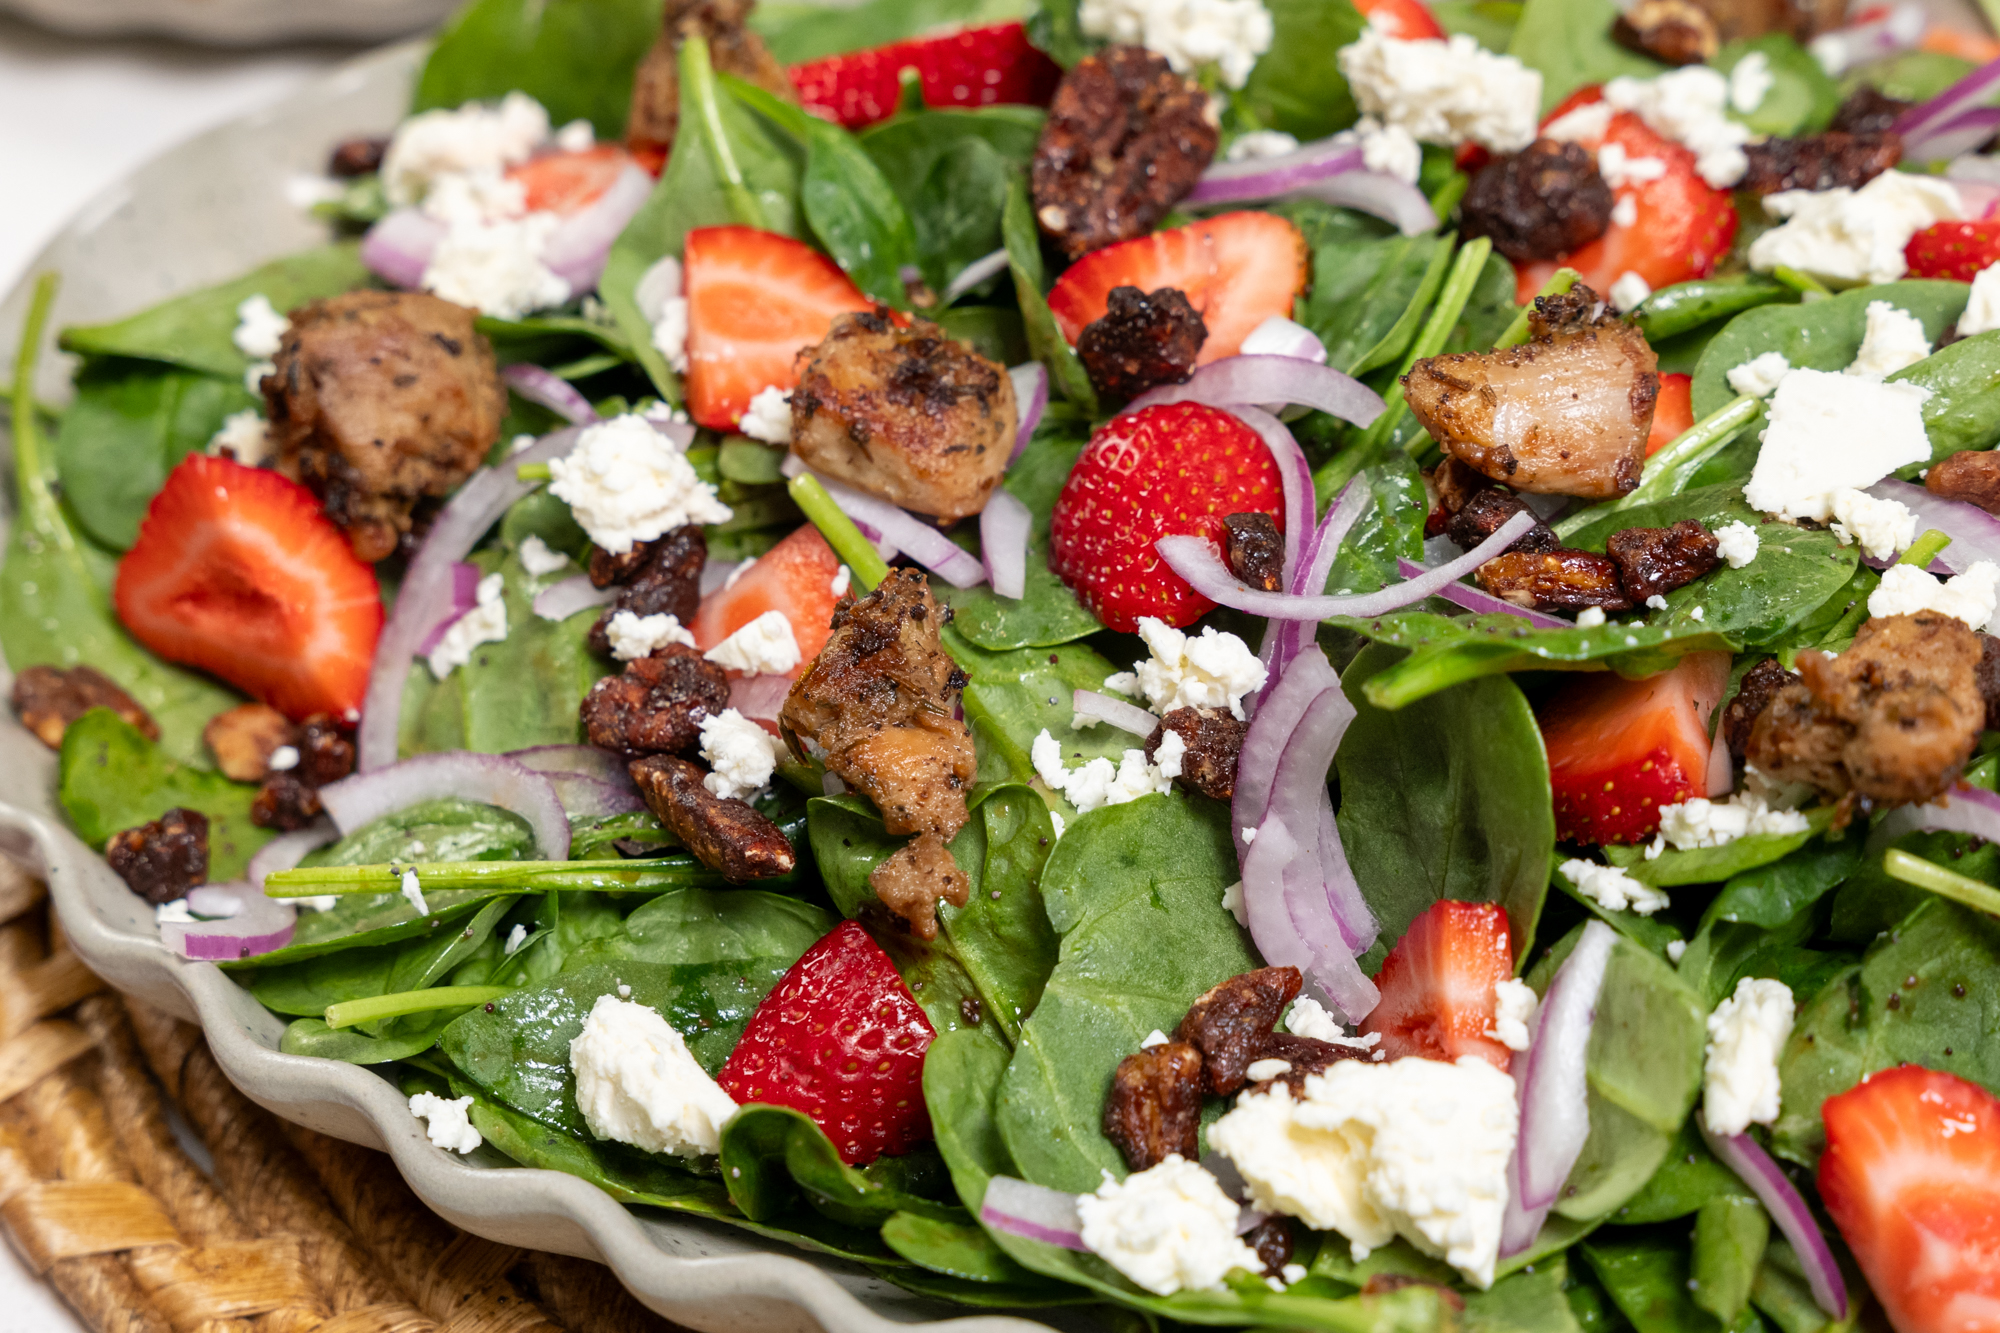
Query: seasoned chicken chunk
[881,699]
[909,414]
[732,48]
[1894,718]
[379,400]
[1566,413]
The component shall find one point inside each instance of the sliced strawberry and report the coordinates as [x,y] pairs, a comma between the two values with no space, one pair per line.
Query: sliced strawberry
[1911,1176]
[1681,225]
[1953,249]
[1405,20]
[570,182]
[238,572]
[755,301]
[1437,984]
[973,67]
[1620,749]
[841,1039]
[795,576]
[1673,412]
[1175,470]
[1237,270]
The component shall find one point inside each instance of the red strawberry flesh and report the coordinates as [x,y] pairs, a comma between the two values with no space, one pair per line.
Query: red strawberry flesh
[1437,985]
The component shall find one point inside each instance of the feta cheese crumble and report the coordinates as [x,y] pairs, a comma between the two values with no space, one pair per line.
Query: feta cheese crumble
[1590,617]
[1611,888]
[626,483]
[1389,149]
[1168,1228]
[1750,82]
[1883,527]
[1309,1018]
[742,754]
[496,267]
[637,1082]
[174,913]
[446,1121]
[1210,670]
[1982,311]
[1894,339]
[1154,1038]
[1851,236]
[1739,1077]
[1626,211]
[1229,34]
[1445,92]
[1514,1004]
[413,893]
[245,434]
[1412,1147]
[769,416]
[1676,949]
[515,939]
[1905,590]
[260,329]
[658,296]
[1620,169]
[1629,290]
[1702,822]
[1098,783]
[1831,432]
[538,558]
[763,647]
[486,622]
[1759,376]
[472,138]
[1690,106]
[1260,144]
[842,577]
[1737,543]
[634,636]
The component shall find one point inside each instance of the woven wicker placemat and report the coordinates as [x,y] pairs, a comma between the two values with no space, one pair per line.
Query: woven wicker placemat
[291,1232]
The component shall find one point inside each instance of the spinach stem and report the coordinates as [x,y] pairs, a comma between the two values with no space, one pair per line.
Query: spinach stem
[29,473]
[1449,193]
[497,876]
[349,1012]
[856,551]
[1925,549]
[1667,471]
[531,472]
[1803,283]
[698,82]
[1558,284]
[1934,878]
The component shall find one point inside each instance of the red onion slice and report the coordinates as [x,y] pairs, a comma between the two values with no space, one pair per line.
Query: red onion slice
[1033,1212]
[880,520]
[1271,379]
[989,265]
[551,391]
[1286,639]
[1003,542]
[398,248]
[1961,134]
[1926,119]
[592,798]
[759,697]
[1551,1079]
[576,249]
[464,596]
[1963,809]
[1381,195]
[1481,602]
[1031,399]
[1294,475]
[1268,177]
[1104,708]
[219,901]
[560,601]
[1195,560]
[264,924]
[287,850]
[1781,1199]
[1278,336]
[426,590]
[489,779]
[1974,533]
[585,761]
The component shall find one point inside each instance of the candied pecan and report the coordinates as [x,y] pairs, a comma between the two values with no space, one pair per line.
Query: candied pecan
[162,860]
[1868,110]
[326,750]
[47,699]
[1125,138]
[729,836]
[1304,1056]
[1679,32]
[357,157]
[1544,201]
[1213,738]
[243,738]
[1448,488]
[1560,580]
[1483,514]
[1272,1239]
[1972,476]
[1654,561]
[607,569]
[914,877]
[667,582]
[1381,1284]
[1231,1022]
[1154,1109]
[1255,550]
[1760,684]
[1140,341]
[1820,162]
[657,705]
[285,803]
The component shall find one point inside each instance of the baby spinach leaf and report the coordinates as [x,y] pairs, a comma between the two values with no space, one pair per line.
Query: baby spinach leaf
[1706,865]
[112,778]
[398,1039]
[772,1153]
[1870,902]
[1912,76]
[309,986]
[1296,87]
[1963,411]
[1569,41]
[1452,804]
[1730,1233]
[575,57]
[132,421]
[1370,295]
[1488,22]
[797,32]
[564,343]
[1392,529]
[1135,892]
[443,830]
[1686,306]
[1014,696]
[1773,894]
[363,920]
[1045,339]
[961,1248]
[1055,27]
[1643,1071]
[1531,1301]
[1688,1177]
[951,169]
[1646,1275]
[195,330]
[706,926]
[1802,97]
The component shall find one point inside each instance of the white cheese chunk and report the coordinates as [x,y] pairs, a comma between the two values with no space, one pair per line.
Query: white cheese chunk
[1737,543]
[1213,669]
[1309,1018]
[1514,1005]
[446,1121]
[1982,311]
[1690,106]
[1831,432]
[486,622]
[769,416]
[1629,290]
[245,434]
[627,483]
[1611,888]
[496,267]
[260,329]
[1739,1078]
[1849,236]
[539,558]
[1169,1228]
[1260,144]
[763,647]
[1228,34]
[742,754]
[472,138]
[637,1082]
[1750,82]
[633,636]
[1099,783]
[1760,375]
[1882,527]
[1894,340]
[1905,590]
[1445,92]
[1703,822]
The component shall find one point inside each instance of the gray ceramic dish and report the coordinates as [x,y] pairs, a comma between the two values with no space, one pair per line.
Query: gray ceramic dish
[236,22]
[206,211]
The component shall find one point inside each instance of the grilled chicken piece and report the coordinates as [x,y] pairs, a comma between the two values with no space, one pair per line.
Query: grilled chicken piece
[1894,718]
[732,48]
[881,699]
[379,400]
[1564,414]
[909,414]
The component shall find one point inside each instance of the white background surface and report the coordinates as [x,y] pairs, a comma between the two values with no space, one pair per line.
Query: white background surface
[76,115]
